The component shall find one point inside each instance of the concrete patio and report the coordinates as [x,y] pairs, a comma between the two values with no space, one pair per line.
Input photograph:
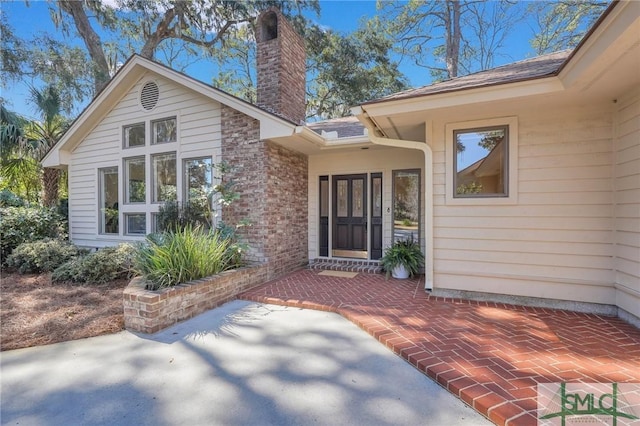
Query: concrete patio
[491,355]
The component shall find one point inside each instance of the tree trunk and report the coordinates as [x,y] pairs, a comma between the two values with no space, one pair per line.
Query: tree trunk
[452,27]
[91,40]
[50,185]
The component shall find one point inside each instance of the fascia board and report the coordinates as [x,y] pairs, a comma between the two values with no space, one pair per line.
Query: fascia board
[619,32]
[270,125]
[101,105]
[467,96]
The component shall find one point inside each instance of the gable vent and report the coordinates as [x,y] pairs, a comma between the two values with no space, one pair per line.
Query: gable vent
[149,95]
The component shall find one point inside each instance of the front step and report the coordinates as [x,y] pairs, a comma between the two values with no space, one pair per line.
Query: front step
[368,266]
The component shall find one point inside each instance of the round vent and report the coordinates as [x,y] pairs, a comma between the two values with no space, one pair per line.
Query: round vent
[149,95]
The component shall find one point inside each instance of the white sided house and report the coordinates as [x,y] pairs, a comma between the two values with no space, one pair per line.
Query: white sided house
[520,183]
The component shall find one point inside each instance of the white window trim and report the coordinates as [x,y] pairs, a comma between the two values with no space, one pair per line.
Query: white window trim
[126,224]
[512,197]
[125,180]
[124,137]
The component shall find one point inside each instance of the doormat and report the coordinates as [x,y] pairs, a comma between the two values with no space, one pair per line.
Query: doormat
[340,274]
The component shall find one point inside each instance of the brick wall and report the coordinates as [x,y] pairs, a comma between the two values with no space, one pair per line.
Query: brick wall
[149,311]
[281,68]
[272,184]
[243,150]
[287,210]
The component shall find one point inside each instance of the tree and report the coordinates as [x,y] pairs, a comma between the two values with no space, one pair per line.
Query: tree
[25,143]
[44,134]
[450,37]
[346,70]
[202,23]
[561,25]
[170,31]
[19,170]
[342,70]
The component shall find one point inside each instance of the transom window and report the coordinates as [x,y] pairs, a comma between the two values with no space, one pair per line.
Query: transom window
[164,131]
[134,135]
[481,162]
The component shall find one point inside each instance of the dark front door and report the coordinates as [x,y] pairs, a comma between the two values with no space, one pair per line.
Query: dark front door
[350,216]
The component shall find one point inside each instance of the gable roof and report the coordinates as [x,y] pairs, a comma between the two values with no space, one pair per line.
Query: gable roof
[271,125]
[528,69]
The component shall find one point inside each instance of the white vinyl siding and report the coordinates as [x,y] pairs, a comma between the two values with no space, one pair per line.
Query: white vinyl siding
[627,204]
[199,132]
[556,240]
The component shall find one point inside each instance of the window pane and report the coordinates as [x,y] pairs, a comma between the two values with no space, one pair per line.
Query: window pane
[481,162]
[376,189]
[165,131]
[108,200]
[136,223]
[164,177]
[342,197]
[134,135]
[406,205]
[324,197]
[356,198]
[135,189]
[198,178]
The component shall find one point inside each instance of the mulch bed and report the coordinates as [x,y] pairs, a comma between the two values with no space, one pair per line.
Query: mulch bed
[34,311]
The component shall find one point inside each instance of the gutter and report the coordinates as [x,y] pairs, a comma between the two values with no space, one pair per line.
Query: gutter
[376,136]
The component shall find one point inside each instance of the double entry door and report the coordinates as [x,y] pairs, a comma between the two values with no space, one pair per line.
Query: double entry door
[356,216]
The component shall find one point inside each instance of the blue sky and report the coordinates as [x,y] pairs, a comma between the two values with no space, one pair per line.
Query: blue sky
[342,16]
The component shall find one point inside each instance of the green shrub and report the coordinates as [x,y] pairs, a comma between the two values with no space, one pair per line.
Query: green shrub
[104,265]
[27,224]
[183,255]
[41,256]
[9,199]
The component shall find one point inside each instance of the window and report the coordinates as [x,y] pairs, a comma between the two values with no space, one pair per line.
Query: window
[164,131]
[134,178]
[108,200]
[136,223]
[198,178]
[481,162]
[164,177]
[406,205]
[134,135]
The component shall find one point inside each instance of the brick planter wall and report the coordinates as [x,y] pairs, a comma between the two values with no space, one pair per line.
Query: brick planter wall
[150,311]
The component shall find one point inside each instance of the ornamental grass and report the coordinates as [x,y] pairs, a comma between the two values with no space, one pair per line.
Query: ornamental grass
[183,255]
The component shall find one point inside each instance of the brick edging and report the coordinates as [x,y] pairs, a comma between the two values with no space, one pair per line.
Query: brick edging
[149,311]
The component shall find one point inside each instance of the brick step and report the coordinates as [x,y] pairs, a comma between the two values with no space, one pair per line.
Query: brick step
[368,266]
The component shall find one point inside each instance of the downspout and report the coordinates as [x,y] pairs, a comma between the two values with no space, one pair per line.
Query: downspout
[376,136]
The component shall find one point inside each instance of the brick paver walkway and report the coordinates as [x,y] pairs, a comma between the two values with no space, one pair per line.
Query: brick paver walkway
[491,355]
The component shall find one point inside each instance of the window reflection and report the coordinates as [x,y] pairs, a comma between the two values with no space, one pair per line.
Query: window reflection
[481,162]
[406,205]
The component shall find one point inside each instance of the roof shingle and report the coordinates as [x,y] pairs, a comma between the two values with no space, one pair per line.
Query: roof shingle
[528,69]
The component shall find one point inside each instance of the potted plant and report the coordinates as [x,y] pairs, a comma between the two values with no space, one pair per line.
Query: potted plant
[403,259]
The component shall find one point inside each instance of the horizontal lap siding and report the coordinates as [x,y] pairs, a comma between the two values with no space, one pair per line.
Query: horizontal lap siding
[556,241]
[627,207]
[198,132]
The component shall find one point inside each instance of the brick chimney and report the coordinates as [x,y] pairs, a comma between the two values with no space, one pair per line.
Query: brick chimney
[281,67]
